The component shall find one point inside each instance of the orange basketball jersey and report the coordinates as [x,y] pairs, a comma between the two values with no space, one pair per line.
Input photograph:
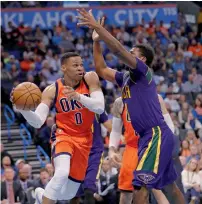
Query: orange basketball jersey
[72,118]
[130,136]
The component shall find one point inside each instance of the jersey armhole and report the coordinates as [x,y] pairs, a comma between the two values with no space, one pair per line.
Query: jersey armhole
[119,78]
[56,95]
[87,86]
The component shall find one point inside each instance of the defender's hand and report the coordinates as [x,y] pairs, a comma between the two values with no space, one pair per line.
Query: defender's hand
[95,35]
[87,19]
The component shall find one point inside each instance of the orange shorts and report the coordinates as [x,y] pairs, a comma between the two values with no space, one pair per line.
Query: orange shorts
[79,149]
[129,164]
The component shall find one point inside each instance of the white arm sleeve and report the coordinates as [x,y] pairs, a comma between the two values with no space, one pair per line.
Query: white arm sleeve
[116,132]
[37,118]
[169,122]
[103,130]
[95,102]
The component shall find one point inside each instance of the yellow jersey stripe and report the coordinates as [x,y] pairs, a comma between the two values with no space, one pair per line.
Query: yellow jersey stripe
[139,167]
[156,165]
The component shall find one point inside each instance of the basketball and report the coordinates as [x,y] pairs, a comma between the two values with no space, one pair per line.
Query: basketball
[26,96]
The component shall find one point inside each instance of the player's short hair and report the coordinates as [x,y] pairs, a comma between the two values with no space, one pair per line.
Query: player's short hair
[67,55]
[146,51]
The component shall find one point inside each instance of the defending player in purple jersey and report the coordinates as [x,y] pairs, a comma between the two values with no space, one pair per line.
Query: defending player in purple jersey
[144,107]
[155,167]
[89,187]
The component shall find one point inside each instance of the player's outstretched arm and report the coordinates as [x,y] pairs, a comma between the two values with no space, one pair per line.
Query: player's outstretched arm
[166,115]
[114,45]
[95,102]
[38,117]
[100,66]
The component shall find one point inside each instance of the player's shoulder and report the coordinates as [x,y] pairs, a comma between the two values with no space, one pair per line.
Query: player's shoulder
[49,93]
[117,108]
[118,101]
[50,89]
[91,74]
[91,77]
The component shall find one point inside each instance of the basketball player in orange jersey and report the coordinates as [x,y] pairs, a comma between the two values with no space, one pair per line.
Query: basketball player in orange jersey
[129,162]
[76,98]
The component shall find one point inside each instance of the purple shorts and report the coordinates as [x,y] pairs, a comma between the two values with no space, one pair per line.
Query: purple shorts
[155,163]
[92,172]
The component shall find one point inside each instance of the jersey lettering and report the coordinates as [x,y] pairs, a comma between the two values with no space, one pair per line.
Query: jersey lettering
[78,118]
[67,105]
[75,104]
[71,115]
[126,92]
[64,105]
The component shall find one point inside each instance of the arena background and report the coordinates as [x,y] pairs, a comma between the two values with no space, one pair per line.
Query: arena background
[35,34]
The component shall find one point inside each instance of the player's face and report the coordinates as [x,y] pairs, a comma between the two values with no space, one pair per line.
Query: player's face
[136,53]
[73,68]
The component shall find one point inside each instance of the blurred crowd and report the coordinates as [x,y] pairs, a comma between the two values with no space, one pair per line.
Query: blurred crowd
[17,181]
[34,55]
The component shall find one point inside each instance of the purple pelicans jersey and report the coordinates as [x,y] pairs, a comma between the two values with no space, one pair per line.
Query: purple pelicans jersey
[155,166]
[95,157]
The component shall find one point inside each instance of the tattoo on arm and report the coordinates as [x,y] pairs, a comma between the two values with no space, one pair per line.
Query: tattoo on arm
[117,108]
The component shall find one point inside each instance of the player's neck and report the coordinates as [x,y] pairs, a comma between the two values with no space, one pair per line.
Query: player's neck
[70,82]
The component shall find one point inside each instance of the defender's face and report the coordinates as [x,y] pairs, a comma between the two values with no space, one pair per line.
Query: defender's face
[136,53]
[73,68]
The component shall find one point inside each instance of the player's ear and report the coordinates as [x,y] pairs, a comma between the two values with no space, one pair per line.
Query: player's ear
[63,68]
[144,59]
